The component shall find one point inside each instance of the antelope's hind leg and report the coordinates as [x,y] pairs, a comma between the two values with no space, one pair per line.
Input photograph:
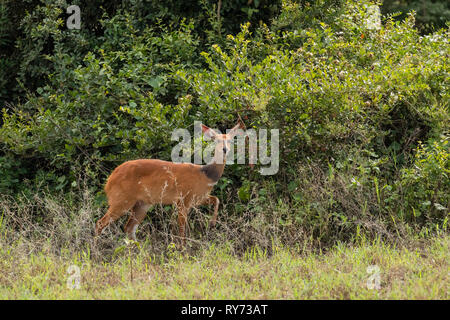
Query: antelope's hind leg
[115,211]
[137,215]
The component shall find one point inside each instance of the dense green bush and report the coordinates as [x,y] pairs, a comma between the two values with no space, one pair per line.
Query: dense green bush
[425,186]
[431,14]
[352,105]
[31,31]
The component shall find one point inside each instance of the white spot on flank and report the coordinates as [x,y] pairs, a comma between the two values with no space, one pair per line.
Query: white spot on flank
[139,182]
[212,184]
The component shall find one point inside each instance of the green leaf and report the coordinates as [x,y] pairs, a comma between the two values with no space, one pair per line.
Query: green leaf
[156,82]
[244,192]
[292,186]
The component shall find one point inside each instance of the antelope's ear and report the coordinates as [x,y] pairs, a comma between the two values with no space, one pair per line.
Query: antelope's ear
[208,132]
[235,130]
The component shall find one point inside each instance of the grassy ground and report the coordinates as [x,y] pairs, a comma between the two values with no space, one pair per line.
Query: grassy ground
[416,271]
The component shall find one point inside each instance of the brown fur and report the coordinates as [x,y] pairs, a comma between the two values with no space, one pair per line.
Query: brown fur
[136,185]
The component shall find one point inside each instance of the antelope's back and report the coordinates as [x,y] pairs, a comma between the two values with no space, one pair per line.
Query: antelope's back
[157,181]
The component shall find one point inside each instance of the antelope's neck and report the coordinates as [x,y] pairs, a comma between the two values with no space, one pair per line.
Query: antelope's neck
[213,171]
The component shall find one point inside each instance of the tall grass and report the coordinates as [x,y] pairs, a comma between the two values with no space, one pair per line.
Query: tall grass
[250,255]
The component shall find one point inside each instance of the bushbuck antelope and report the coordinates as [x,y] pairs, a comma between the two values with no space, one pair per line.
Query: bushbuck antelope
[136,185]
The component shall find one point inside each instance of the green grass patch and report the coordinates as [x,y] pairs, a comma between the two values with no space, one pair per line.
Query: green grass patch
[369,270]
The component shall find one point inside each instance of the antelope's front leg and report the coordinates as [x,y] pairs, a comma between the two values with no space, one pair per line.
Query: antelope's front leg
[213,200]
[182,219]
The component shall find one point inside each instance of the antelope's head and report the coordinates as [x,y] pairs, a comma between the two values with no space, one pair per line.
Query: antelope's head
[222,141]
